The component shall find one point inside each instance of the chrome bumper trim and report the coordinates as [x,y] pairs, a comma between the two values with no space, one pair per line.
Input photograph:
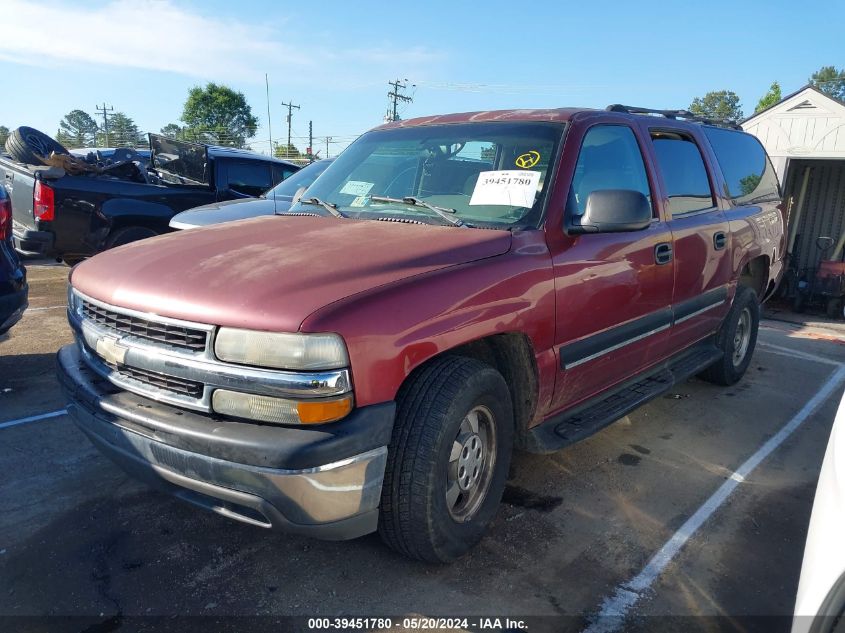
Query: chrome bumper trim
[309,497]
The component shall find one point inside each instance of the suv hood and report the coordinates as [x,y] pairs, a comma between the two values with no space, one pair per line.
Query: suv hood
[228,211]
[271,273]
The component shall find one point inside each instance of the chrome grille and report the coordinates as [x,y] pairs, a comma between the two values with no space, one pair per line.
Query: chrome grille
[174,335]
[161,381]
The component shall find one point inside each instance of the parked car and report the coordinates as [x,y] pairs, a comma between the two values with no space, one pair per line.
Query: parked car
[451,288]
[13,286]
[278,200]
[74,216]
[820,604]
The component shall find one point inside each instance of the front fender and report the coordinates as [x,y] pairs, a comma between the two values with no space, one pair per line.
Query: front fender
[392,329]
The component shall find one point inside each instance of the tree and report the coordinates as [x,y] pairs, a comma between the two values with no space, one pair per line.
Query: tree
[122,133]
[770,98]
[77,129]
[283,150]
[172,130]
[4,134]
[830,81]
[219,115]
[720,104]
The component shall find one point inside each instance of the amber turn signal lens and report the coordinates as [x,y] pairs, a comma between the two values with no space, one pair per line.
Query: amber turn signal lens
[323,410]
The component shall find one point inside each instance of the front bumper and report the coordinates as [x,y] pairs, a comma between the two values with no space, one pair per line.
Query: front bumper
[12,308]
[323,481]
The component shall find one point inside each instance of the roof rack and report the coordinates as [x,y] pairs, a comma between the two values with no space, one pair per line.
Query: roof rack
[686,115]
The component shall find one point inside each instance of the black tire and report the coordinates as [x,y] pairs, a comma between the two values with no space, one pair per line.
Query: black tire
[833,308]
[27,145]
[729,369]
[72,261]
[799,302]
[434,406]
[128,234]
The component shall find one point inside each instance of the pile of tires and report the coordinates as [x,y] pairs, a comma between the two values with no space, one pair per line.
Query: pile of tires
[27,145]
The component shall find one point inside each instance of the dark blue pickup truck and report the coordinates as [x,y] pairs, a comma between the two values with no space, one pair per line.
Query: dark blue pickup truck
[70,217]
[13,288]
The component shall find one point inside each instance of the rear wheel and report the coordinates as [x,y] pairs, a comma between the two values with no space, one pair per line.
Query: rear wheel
[71,260]
[736,338]
[128,234]
[833,309]
[448,459]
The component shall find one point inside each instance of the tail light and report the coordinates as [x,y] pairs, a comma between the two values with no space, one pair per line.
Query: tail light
[5,219]
[43,202]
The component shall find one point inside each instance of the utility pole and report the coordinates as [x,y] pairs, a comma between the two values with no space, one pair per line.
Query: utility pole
[310,140]
[106,112]
[328,140]
[398,96]
[290,108]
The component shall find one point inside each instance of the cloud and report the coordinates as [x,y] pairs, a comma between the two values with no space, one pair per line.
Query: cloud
[161,36]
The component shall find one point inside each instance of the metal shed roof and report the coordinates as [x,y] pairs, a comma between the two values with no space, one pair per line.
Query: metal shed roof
[804,124]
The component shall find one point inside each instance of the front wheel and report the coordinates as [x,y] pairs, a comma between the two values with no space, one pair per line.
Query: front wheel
[736,338]
[448,459]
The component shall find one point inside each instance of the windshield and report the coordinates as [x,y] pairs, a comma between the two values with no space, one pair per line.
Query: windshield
[491,174]
[303,178]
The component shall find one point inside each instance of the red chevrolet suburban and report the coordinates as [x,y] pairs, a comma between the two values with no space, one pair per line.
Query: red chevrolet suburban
[449,289]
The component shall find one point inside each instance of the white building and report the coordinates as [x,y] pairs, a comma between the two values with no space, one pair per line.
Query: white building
[804,135]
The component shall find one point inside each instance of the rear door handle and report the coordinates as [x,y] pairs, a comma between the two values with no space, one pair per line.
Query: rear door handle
[720,240]
[663,253]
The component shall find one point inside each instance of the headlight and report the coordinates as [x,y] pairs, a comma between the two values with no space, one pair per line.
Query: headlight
[281,350]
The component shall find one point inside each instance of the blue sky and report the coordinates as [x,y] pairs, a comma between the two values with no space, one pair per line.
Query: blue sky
[334,58]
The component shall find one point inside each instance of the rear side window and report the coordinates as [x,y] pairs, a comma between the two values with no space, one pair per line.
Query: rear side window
[684,173]
[282,173]
[252,179]
[610,158]
[749,175]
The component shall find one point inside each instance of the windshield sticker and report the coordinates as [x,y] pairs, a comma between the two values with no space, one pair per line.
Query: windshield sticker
[357,188]
[360,201]
[528,159]
[511,188]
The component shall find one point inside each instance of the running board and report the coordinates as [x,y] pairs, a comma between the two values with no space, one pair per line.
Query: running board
[603,410]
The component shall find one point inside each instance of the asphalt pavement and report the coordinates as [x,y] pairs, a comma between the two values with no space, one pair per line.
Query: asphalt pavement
[577,534]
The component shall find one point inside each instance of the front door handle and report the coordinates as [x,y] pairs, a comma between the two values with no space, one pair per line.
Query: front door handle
[720,240]
[663,253]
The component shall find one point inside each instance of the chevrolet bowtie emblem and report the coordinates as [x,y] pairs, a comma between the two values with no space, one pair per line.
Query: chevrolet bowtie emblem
[109,349]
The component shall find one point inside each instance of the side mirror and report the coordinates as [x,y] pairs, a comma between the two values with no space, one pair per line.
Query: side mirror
[613,211]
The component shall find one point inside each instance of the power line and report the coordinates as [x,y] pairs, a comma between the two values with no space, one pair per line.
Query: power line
[398,96]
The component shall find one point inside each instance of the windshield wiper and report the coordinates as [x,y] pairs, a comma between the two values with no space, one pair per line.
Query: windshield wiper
[443,212]
[328,206]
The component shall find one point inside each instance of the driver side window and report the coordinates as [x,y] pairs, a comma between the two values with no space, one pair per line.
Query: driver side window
[610,158]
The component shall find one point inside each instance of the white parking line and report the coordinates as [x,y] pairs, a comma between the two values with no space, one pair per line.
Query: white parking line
[33,418]
[46,308]
[615,608]
[788,351]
